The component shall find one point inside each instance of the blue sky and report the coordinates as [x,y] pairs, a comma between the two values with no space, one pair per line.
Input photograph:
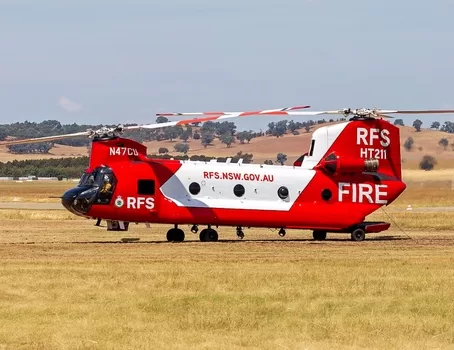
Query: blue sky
[123,61]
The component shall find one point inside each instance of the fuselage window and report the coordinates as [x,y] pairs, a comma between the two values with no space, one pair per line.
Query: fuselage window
[145,187]
[238,190]
[311,151]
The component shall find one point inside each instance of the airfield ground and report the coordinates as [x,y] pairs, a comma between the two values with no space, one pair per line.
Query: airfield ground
[65,283]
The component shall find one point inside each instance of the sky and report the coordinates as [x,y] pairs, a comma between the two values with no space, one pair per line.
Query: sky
[123,61]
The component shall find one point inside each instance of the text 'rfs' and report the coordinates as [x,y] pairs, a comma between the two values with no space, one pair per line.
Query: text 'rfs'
[363,193]
[135,202]
[237,176]
[140,202]
[367,137]
[123,151]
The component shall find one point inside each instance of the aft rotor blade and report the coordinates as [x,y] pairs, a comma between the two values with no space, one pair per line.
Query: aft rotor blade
[264,111]
[45,139]
[425,111]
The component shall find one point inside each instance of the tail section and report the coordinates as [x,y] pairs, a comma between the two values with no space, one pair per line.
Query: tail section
[355,147]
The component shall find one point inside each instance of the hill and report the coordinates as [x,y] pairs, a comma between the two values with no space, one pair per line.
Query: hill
[266,147]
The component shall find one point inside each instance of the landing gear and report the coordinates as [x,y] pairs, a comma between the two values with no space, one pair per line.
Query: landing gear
[175,234]
[319,235]
[281,232]
[194,229]
[117,225]
[208,235]
[239,232]
[358,235]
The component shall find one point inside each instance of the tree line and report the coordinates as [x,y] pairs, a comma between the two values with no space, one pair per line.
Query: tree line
[74,167]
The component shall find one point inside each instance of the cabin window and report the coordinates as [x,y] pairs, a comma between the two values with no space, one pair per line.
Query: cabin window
[311,150]
[238,190]
[145,187]
[194,188]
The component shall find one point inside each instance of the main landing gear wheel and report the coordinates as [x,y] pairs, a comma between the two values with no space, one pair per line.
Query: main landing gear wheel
[319,235]
[175,235]
[208,235]
[358,235]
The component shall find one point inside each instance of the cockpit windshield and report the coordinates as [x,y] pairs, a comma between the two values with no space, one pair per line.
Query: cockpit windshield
[87,179]
[97,178]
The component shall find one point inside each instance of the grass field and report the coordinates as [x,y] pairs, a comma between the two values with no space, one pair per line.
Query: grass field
[66,284]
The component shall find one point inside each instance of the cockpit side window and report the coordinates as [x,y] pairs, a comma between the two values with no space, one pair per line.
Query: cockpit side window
[311,150]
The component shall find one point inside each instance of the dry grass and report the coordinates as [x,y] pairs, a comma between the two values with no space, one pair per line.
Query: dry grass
[33,191]
[66,284]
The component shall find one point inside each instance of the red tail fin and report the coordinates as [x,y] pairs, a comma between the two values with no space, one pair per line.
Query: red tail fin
[371,145]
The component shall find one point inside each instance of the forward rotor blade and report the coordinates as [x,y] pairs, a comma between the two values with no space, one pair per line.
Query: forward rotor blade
[45,139]
[265,111]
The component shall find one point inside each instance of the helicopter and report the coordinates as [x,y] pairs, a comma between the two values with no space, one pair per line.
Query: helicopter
[351,169]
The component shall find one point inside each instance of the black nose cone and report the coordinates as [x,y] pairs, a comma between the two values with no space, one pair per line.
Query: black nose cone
[68,198]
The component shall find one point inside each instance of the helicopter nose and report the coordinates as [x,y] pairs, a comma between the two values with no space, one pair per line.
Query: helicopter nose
[68,198]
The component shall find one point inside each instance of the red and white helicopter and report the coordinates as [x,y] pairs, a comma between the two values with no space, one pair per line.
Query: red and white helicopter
[351,169]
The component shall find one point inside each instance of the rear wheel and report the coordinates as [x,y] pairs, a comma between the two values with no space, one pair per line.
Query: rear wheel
[175,235]
[319,235]
[208,235]
[358,235]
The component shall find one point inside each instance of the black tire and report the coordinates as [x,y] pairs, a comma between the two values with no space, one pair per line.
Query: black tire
[358,235]
[171,235]
[202,235]
[319,235]
[179,235]
[212,236]
[208,235]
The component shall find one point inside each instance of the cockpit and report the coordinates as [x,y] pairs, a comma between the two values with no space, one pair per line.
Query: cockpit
[95,187]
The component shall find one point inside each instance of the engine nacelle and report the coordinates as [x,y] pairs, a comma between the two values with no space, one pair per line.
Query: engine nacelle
[337,165]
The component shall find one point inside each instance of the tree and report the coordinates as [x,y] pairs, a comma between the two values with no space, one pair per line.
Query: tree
[268,162]
[448,127]
[435,125]
[161,119]
[173,132]
[3,133]
[280,128]
[249,135]
[185,136]
[408,144]
[181,147]
[225,128]
[207,138]
[399,122]
[241,136]
[163,150]
[307,127]
[292,126]
[427,163]
[281,158]
[417,125]
[443,143]
[227,139]
[271,127]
